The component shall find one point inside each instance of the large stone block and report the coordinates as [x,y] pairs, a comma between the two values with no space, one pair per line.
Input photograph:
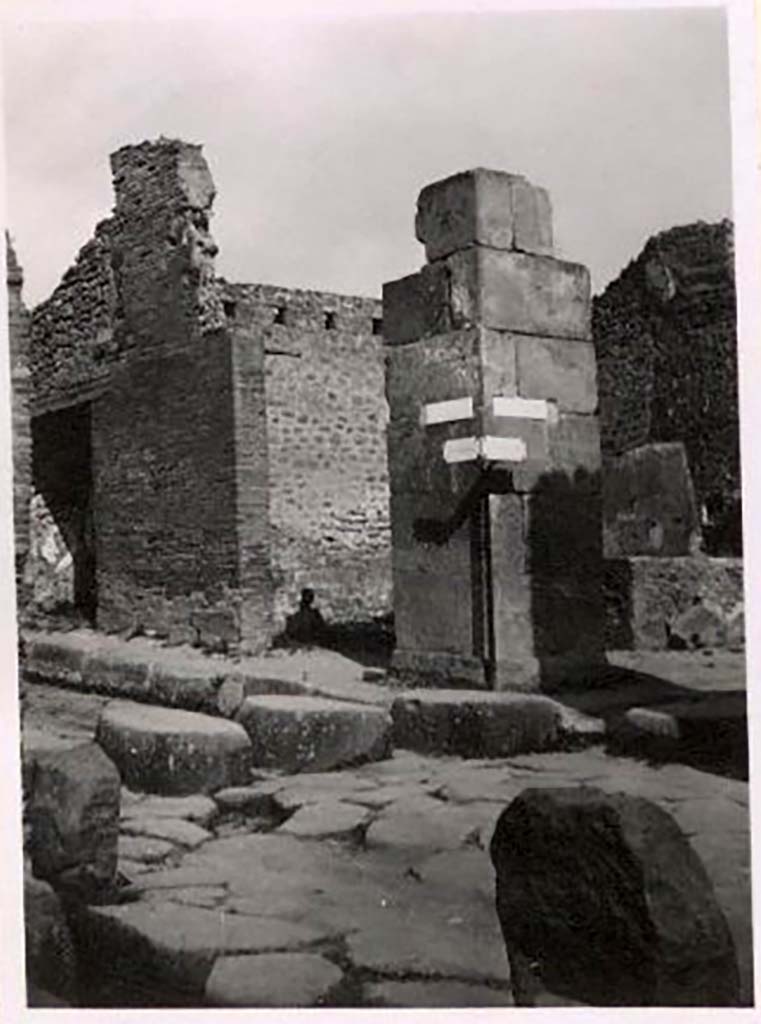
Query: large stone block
[649,503]
[601,898]
[163,750]
[558,370]
[73,816]
[512,291]
[416,306]
[483,207]
[297,734]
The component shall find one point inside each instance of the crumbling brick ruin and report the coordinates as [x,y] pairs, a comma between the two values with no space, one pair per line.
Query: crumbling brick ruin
[228,440]
[206,449]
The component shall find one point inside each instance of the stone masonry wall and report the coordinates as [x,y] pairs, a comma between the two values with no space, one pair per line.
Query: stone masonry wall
[18,331]
[326,416]
[665,333]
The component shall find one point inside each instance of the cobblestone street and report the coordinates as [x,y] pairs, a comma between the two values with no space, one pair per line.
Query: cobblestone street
[370,886]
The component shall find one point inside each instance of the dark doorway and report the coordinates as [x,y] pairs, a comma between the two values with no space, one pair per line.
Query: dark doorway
[62,473]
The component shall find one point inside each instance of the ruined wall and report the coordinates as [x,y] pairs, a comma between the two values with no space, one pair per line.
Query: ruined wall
[665,333]
[137,338]
[326,416]
[18,336]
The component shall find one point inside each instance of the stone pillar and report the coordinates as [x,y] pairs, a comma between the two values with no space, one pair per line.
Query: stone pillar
[493,443]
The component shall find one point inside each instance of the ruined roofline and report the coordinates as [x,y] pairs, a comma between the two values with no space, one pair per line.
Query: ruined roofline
[259,291]
[670,239]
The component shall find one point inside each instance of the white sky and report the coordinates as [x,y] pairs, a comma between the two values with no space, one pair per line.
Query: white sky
[320,134]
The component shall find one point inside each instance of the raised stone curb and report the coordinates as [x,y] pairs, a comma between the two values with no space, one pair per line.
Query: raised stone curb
[478,724]
[144,670]
[163,750]
[315,734]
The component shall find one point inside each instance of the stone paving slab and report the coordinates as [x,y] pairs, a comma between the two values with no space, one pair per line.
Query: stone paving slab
[296,980]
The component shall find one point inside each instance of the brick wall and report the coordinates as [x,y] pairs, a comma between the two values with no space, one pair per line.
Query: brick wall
[665,333]
[136,342]
[326,417]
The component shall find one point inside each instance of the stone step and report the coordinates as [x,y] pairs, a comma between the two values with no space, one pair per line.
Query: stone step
[171,752]
[314,734]
[474,723]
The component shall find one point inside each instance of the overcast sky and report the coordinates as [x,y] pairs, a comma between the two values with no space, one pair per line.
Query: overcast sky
[320,135]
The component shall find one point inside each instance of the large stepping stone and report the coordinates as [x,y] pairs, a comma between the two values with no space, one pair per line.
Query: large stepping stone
[314,734]
[601,898]
[471,723]
[172,752]
[72,812]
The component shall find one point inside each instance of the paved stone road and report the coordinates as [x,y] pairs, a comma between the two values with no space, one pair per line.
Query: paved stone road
[364,887]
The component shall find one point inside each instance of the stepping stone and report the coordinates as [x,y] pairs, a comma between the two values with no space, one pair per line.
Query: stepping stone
[73,814]
[471,723]
[601,898]
[271,979]
[314,734]
[163,750]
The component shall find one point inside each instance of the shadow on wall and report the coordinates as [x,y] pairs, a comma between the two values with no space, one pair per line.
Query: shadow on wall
[565,564]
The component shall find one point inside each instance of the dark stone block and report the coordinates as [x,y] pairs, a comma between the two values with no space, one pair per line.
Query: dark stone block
[602,897]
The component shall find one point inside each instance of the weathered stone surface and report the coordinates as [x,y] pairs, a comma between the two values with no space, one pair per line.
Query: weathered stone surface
[474,724]
[163,750]
[604,893]
[175,830]
[196,808]
[439,994]
[510,291]
[649,504]
[73,813]
[702,625]
[271,979]
[483,207]
[313,733]
[177,945]
[49,949]
[559,371]
[327,819]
